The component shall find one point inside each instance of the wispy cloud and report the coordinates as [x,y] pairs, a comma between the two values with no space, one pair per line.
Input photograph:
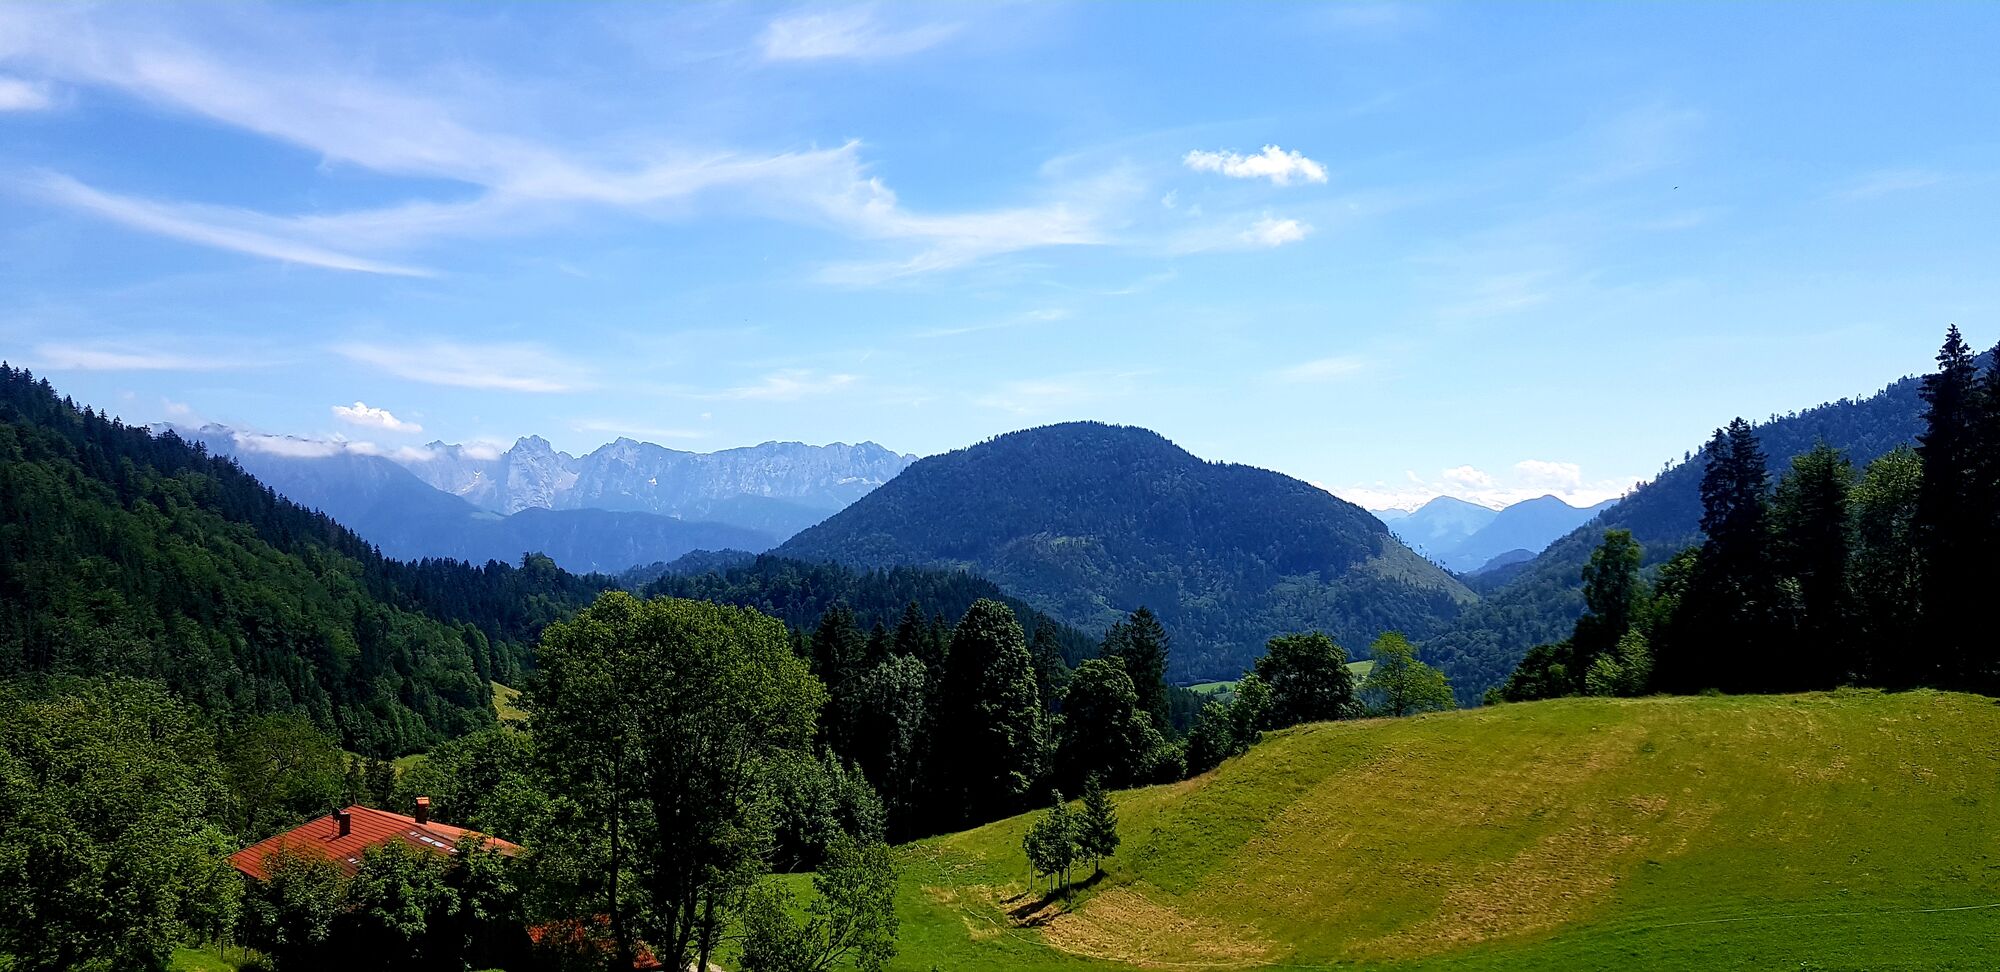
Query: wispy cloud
[19,95]
[648,433]
[376,418]
[291,90]
[851,34]
[1273,163]
[1885,182]
[519,367]
[208,225]
[1058,393]
[786,385]
[1323,369]
[1041,315]
[98,356]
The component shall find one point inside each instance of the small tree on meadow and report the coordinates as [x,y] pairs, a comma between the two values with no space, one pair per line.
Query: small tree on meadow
[1097,826]
[1051,843]
[1401,685]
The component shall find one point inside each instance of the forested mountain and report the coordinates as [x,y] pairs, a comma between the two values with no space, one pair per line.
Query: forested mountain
[1087,521]
[126,553]
[776,487]
[410,519]
[1543,601]
[800,593]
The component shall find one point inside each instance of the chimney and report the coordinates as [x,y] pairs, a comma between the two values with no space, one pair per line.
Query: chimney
[423,810]
[344,820]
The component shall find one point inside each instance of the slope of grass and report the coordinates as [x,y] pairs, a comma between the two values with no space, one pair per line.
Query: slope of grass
[507,704]
[1851,830]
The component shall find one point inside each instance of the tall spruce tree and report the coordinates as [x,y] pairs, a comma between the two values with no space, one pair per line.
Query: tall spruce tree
[989,716]
[1814,543]
[1051,674]
[1947,531]
[1730,627]
[1139,643]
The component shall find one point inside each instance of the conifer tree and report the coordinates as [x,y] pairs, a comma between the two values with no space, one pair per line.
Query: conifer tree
[1051,674]
[1735,590]
[1097,826]
[1140,645]
[1946,531]
[1814,543]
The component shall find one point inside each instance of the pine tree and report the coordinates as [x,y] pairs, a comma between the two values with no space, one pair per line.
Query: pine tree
[1814,543]
[1139,643]
[1735,597]
[1097,826]
[1945,522]
[1051,674]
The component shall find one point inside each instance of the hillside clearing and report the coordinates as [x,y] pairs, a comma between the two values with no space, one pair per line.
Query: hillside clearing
[1834,830]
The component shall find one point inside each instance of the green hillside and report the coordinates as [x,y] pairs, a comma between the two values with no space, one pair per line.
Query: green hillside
[1087,521]
[1832,831]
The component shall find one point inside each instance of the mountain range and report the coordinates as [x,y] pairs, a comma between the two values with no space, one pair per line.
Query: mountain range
[1469,538]
[625,504]
[1088,521]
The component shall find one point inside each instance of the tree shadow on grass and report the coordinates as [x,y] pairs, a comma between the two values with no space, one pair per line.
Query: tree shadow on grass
[1027,910]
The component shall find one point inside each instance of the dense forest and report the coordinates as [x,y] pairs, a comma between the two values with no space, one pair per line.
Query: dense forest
[800,594]
[1834,575]
[1087,521]
[130,554]
[1540,601]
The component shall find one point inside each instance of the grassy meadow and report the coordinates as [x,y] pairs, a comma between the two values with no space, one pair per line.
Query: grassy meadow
[1846,830]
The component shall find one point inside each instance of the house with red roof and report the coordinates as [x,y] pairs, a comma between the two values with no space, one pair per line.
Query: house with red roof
[344,835]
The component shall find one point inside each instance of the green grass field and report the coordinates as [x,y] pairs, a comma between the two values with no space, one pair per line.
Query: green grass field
[1851,830]
[506,704]
[1222,690]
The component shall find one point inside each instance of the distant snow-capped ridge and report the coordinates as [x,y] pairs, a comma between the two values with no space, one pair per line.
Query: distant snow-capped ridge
[627,474]
[624,474]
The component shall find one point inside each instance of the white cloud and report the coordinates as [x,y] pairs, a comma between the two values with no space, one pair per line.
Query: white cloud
[1524,480]
[293,89]
[852,34]
[1539,474]
[180,412]
[1323,369]
[788,385]
[518,367]
[1269,231]
[1470,477]
[19,95]
[380,418]
[285,445]
[214,226]
[1273,163]
[122,357]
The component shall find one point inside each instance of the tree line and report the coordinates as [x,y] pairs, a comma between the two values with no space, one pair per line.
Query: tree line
[1828,577]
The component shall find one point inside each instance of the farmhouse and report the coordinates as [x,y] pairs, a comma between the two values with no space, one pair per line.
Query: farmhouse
[344,835]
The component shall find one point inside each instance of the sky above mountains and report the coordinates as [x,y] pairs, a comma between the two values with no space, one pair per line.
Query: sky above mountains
[1396,250]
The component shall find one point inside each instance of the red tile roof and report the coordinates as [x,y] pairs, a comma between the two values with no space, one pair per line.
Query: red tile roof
[368,828]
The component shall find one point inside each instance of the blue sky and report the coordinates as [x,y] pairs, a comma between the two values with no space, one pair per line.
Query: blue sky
[1395,250]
